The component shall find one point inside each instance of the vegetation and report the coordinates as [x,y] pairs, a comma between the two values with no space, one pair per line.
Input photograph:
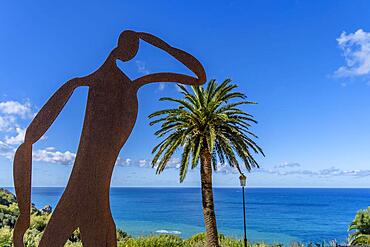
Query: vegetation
[32,240]
[208,126]
[9,212]
[8,209]
[360,228]
[198,240]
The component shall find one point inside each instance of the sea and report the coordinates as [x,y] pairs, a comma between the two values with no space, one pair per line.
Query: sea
[273,215]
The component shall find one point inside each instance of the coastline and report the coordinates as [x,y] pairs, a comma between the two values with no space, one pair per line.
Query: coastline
[274,215]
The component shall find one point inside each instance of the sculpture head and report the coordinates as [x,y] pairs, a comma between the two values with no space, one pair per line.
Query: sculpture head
[127,46]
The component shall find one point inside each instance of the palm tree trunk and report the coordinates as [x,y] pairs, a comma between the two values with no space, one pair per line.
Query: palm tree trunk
[207,199]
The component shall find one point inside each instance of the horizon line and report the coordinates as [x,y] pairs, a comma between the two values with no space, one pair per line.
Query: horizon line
[215,187]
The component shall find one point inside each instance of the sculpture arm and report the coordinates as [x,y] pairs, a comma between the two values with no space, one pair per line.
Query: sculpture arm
[185,58]
[23,157]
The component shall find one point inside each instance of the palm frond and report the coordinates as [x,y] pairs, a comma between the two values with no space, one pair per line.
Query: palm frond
[206,118]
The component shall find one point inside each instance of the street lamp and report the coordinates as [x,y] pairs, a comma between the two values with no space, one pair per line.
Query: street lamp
[243,182]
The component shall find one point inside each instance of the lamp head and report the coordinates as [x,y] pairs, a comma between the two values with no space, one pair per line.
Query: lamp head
[243,180]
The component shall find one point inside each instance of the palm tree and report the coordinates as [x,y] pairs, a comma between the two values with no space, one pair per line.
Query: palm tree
[361,227]
[208,126]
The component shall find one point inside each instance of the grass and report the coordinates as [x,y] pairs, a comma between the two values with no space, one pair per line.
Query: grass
[33,237]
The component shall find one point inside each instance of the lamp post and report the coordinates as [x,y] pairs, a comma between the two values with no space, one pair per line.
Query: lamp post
[243,182]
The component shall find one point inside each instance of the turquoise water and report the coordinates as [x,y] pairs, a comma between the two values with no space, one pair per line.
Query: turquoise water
[273,215]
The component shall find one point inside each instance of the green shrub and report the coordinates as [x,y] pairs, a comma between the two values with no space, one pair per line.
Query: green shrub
[6,197]
[39,222]
[153,241]
[360,228]
[196,238]
[32,237]
[5,237]
[75,237]
[73,244]
[121,235]
[8,215]
[199,240]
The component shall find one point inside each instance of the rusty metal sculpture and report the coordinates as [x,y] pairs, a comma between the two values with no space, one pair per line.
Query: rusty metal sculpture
[110,117]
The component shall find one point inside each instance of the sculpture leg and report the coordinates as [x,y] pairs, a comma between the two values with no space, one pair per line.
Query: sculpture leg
[60,227]
[112,233]
[100,233]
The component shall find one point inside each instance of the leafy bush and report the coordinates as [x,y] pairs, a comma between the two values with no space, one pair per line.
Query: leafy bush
[5,237]
[6,197]
[73,244]
[360,228]
[121,235]
[199,240]
[8,209]
[39,222]
[153,241]
[32,238]
[7,219]
[75,237]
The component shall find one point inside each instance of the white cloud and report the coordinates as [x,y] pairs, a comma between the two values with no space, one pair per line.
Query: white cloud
[174,163]
[161,86]
[123,162]
[147,163]
[356,52]
[11,134]
[324,173]
[51,155]
[225,168]
[141,67]
[16,108]
[18,138]
[333,171]
[288,165]
[6,150]
[11,114]
[7,123]
[143,163]
[284,169]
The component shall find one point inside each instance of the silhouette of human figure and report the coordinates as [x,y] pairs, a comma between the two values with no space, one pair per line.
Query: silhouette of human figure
[110,116]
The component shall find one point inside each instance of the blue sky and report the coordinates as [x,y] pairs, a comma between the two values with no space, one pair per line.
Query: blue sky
[307,64]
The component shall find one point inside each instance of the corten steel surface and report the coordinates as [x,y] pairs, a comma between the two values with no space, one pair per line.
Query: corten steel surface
[110,116]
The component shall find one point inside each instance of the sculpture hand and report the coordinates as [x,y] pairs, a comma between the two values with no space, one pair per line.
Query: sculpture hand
[185,58]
